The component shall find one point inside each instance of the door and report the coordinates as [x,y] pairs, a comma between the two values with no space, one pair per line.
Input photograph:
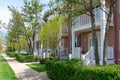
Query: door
[91,55]
[89,47]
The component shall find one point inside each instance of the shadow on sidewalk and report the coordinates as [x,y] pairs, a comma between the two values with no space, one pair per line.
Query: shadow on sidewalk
[30,74]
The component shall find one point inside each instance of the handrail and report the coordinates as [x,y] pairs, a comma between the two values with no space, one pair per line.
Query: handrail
[87,52]
[84,57]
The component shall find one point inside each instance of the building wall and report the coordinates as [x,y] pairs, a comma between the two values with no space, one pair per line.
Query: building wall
[67,40]
[117,33]
[84,39]
[110,37]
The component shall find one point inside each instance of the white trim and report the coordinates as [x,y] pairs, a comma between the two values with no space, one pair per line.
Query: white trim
[73,43]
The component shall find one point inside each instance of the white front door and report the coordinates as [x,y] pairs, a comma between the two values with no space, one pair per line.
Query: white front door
[89,47]
[91,55]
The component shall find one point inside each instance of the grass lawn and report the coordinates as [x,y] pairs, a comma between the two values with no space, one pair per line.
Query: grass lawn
[6,73]
[37,67]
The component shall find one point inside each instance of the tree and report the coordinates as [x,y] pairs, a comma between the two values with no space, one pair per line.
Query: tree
[16,26]
[1,44]
[46,15]
[50,34]
[110,5]
[31,14]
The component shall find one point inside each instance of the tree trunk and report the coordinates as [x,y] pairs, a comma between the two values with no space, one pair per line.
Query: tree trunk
[109,15]
[29,44]
[33,42]
[105,39]
[94,36]
[104,49]
[95,43]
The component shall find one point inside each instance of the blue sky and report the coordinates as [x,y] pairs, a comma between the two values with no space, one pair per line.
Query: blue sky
[5,14]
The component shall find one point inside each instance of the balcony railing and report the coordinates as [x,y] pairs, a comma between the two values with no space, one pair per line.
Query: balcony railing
[85,19]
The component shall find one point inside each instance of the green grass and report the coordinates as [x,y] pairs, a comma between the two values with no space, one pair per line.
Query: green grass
[6,73]
[38,67]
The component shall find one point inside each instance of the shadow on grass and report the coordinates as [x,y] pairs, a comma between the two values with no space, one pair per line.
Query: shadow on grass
[37,67]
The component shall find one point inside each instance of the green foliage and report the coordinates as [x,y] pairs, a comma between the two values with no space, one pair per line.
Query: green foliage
[11,54]
[23,57]
[16,30]
[61,70]
[32,10]
[46,15]
[38,67]
[72,70]
[26,58]
[97,73]
[6,73]
[31,13]
[50,34]
[42,61]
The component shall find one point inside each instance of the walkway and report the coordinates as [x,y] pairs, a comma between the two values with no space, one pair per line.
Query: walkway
[24,72]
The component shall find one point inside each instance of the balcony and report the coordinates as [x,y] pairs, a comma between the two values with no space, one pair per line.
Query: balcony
[65,31]
[83,21]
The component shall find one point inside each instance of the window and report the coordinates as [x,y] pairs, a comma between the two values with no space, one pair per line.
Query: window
[77,41]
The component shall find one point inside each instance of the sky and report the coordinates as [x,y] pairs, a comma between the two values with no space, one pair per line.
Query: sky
[5,14]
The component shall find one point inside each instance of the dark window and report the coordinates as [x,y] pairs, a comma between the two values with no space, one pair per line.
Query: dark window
[77,41]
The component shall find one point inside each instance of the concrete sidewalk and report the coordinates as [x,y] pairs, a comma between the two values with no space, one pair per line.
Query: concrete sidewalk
[24,72]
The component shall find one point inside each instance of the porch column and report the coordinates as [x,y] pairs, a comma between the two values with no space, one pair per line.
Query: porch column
[102,34]
[102,29]
[73,44]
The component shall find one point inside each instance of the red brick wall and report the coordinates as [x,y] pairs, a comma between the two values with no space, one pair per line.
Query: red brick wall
[84,39]
[110,37]
[116,34]
[66,42]
[118,28]
[84,42]
[67,39]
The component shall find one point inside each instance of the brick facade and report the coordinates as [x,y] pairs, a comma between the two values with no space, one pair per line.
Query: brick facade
[112,39]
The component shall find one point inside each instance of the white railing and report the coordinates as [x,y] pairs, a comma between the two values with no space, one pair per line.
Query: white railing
[64,53]
[77,53]
[87,58]
[84,19]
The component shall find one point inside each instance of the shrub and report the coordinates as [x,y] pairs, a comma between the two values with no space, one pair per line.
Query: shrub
[96,73]
[62,70]
[42,61]
[11,54]
[26,58]
[23,57]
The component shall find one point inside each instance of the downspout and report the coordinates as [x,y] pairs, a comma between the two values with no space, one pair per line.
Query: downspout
[116,45]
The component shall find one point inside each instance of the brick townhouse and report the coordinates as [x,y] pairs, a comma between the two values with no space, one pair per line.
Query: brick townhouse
[78,40]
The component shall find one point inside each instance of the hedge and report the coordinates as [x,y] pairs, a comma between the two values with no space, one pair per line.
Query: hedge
[11,54]
[23,57]
[61,70]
